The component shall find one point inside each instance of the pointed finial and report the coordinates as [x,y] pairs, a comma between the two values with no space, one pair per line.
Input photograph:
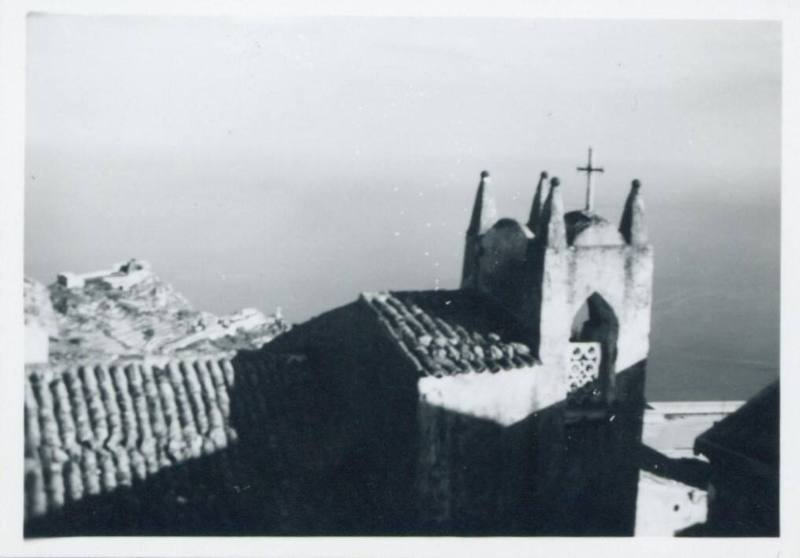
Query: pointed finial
[632,225]
[484,212]
[536,208]
[553,228]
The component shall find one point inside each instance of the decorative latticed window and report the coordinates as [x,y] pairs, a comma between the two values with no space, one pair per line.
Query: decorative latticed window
[584,373]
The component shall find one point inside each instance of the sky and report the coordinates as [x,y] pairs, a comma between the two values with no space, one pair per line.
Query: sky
[296,162]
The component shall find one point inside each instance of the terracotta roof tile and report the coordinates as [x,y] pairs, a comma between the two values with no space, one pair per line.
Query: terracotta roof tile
[451,332]
[91,429]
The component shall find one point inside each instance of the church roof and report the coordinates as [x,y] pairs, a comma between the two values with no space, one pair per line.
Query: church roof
[446,333]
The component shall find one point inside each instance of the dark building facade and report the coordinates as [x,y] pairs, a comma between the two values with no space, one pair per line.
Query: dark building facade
[744,452]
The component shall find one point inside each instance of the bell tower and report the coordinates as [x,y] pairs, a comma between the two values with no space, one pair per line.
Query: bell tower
[580,285]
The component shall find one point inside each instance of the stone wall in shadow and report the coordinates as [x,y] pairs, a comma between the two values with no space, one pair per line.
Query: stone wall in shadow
[541,476]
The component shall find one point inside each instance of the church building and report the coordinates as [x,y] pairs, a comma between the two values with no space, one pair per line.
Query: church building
[510,406]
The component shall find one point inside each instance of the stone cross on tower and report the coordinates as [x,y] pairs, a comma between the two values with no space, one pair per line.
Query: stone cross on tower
[589,169]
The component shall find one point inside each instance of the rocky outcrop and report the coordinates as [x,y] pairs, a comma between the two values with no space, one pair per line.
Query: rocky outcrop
[127,311]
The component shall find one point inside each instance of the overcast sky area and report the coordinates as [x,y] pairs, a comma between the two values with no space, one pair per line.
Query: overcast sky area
[297,162]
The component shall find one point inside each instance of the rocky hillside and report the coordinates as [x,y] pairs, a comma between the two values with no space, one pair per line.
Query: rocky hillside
[38,308]
[128,311]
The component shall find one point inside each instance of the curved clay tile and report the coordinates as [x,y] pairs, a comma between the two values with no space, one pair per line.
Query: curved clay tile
[185,414]
[80,411]
[94,402]
[63,412]
[74,480]
[123,466]
[155,410]
[139,400]
[108,470]
[228,373]
[130,425]
[91,473]
[33,435]
[209,392]
[172,442]
[48,424]
[191,386]
[138,464]
[35,496]
[54,482]
[113,414]
[218,376]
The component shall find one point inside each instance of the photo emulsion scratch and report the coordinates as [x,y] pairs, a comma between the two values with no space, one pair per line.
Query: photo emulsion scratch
[271,288]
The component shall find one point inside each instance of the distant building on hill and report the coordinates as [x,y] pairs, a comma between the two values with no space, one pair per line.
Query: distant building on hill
[121,276]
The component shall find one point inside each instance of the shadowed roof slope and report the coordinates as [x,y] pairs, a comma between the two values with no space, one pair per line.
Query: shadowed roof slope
[451,332]
[752,432]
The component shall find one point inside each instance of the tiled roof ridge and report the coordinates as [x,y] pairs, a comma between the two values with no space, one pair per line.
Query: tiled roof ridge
[93,427]
[438,348]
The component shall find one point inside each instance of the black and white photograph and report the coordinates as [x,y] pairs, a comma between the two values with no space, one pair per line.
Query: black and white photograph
[341,275]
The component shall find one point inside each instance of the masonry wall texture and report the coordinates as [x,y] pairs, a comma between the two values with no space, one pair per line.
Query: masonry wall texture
[537,476]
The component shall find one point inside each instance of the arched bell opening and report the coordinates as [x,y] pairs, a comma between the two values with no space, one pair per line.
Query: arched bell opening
[593,352]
